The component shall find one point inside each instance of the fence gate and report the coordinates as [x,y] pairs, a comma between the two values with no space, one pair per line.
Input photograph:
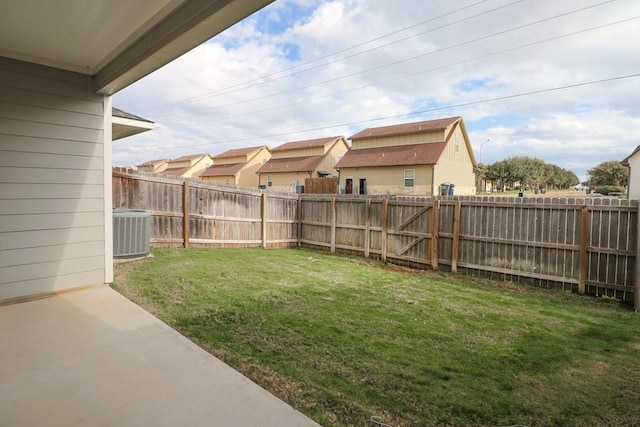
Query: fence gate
[409,232]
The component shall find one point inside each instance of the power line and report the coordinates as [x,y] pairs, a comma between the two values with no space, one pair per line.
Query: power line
[431,110]
[404,76]
[241,86]
[467,42]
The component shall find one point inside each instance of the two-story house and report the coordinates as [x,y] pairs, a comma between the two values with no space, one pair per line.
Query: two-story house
[293,162]
[237,167]
[416,159]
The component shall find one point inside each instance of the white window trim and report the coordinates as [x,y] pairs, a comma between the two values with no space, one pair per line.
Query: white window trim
[412,178]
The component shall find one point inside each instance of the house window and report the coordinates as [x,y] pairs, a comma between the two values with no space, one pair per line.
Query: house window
[226,181]
[340,154]
[457,143]
[409,177]
[269,181]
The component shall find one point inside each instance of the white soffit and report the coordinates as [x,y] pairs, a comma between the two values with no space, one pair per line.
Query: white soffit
[76,35]
[116,41]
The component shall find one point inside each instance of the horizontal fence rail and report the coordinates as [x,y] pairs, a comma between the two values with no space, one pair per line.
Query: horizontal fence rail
[585,245]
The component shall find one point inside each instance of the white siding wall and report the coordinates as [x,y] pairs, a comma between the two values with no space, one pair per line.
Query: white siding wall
[634,177]
[53,210]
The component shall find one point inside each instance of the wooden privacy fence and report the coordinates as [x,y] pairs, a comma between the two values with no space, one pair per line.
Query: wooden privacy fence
[188,212]
[586,245]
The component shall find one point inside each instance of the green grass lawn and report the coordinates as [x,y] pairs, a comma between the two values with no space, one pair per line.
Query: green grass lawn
[344,339]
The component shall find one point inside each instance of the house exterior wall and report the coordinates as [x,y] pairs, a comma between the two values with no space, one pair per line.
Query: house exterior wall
[247,177]
[388,180]
[634,177]
[386,141]
[455,166]
[283,181]
[55,202]
[331,158]
[299,152]
[198,167]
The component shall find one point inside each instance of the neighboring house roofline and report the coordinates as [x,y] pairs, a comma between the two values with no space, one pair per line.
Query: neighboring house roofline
[307,143]
[176,171]
[240,152]
[231,169]
[189,157]
[291,164]
[406,128]
[395,155]
[152,162]
[625,162]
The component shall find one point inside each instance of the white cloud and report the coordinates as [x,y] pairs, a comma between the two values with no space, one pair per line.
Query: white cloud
[233,92]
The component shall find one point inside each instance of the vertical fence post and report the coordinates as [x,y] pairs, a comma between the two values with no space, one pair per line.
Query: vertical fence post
[185,213]
[435,230]
[299,218]
[263,214]
[456,237]
[367,229]
[385,213]
[584,237]
[636,289]
[333,224]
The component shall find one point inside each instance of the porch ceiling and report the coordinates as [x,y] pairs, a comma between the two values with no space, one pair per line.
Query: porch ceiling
[116,42]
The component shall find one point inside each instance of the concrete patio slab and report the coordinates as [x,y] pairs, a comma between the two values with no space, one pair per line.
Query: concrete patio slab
[92,357]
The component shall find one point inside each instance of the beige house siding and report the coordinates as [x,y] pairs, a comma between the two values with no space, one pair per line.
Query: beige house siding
[388,180]
[247,176]
[199,167]
[455,166]
[53,233]
[284,181]
[634,177]
[300,152]
[385,141]
[333,155]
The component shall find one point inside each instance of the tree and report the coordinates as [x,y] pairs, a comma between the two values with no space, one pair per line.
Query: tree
[610,172]
[529,172]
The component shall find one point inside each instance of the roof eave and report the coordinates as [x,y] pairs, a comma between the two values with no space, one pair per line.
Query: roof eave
[191,24]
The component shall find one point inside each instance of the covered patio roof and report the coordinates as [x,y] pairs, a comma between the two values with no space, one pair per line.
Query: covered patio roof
[115,42]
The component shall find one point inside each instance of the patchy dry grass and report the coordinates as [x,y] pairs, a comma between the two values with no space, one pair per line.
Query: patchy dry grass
[344,339]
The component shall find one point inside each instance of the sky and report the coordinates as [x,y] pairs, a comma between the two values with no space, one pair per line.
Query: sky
[557,80]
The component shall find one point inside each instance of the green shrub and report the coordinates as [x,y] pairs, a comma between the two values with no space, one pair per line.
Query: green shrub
[605,190]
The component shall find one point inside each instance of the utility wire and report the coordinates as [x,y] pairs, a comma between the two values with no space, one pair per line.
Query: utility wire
[467,42]
[267,76]
[405,76]
[430,110]
[226,92]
